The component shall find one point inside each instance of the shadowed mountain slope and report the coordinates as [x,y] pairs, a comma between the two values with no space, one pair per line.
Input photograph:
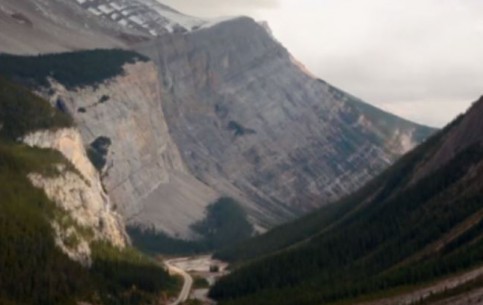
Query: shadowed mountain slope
[419,220]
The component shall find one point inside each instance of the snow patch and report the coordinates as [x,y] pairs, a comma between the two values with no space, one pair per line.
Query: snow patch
[215,21]
[148,16]
[173,17]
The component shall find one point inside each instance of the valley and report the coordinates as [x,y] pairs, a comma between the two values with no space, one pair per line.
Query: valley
[187,282]
[459,289]
[204,269]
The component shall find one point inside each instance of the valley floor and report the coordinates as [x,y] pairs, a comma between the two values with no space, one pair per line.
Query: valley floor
[187,282]
[462,289]
[196,267]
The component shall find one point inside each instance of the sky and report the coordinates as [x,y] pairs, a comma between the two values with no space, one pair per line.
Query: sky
[420,59]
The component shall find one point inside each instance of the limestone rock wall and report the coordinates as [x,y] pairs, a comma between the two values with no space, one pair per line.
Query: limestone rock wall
[144,170]
[253,123]
[79,193]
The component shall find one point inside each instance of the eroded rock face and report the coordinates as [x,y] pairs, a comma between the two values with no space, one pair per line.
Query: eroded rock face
[143,172]
[79,193]
[250,120]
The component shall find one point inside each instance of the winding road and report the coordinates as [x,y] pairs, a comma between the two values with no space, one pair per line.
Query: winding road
[187,279]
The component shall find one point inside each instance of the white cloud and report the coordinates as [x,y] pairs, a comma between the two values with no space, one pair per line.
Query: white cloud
[422,59]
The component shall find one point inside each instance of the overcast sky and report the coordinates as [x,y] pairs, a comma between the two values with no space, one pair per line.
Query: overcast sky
[421,59]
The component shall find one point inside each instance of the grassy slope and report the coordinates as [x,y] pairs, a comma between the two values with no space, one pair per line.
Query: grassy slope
[365,251]
[33,269]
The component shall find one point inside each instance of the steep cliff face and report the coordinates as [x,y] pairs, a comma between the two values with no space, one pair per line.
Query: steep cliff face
[79,193]
[122,122]
[250,120]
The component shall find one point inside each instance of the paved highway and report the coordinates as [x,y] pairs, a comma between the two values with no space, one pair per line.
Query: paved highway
[188,282]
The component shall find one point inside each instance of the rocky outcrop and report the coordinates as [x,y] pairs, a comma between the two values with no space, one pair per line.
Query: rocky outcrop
[253,123]
[78,192]
[143,171]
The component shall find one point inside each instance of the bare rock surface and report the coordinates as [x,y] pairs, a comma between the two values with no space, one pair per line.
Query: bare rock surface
[250,120]
[144,173]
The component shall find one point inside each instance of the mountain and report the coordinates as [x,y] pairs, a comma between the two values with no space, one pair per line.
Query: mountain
[212,109]
[61,242]
[252,123]
[411,235]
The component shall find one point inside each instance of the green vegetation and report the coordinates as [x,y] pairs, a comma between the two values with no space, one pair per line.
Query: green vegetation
[225,224]
[97,152]
[458,291]
[22,112]
[200,283]
[193,302]
[75,69]
[104,99]
[33,269]
[283,236]
[239,130]
[128,277]
[370,242]
[153,242]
